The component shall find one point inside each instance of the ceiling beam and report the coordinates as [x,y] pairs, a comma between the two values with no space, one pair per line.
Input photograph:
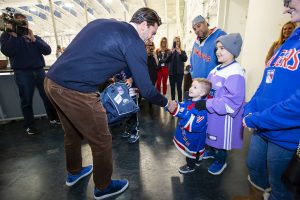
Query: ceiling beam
[17,3]
[166,11]
[104,7]
[124,6]
[178,20]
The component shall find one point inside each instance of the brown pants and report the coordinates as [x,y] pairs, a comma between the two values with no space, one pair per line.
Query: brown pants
[83,116]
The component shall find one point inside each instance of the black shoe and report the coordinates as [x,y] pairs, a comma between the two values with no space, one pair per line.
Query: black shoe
[198,163]
[31,131]
[133,138]
[185,169]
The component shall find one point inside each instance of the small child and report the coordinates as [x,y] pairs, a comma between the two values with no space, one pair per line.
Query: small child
[191,129]
[132,123]
[225,103]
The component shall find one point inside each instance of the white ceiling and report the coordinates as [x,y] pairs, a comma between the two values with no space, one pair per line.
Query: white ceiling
[70,15]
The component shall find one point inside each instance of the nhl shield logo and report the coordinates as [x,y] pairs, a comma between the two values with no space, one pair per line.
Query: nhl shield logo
[270,75]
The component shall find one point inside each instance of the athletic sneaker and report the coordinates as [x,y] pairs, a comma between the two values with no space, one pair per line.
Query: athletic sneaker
[31,131]
[55,122]
[217,168]
[115,187]
[133,138]
[185,169]
[72,179]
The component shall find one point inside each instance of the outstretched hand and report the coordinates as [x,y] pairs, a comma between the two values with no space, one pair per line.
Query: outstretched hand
[172,105]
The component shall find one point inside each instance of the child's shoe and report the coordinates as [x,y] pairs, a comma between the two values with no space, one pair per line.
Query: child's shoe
[72,179]
[133,138]
[217,168]
[198,163]
[115,187]
[185,169]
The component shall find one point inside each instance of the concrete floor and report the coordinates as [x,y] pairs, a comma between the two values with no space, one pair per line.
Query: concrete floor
[33,167]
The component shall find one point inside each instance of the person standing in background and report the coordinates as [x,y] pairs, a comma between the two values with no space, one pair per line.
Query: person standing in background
[25,54]
[152,62]
[162,74]
[286,31]
[176,60]
[59,51]
[203,57]
[187,78]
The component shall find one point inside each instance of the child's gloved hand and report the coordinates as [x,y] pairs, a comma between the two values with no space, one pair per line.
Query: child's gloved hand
[200,105]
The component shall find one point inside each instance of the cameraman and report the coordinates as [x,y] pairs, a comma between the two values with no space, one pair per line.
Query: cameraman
[25,52]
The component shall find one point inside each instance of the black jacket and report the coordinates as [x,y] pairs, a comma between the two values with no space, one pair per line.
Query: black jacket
[176,62]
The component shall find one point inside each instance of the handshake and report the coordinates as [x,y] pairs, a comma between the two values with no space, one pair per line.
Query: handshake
[172,105]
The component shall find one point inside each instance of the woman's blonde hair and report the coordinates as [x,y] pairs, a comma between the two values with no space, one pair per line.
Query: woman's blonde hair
[161,41]
[178,38]
[281,38]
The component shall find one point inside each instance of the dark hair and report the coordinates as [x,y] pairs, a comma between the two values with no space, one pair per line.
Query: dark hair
[146,14]
[20,15]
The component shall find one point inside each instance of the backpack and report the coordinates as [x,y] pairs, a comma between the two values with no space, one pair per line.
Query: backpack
[117,102]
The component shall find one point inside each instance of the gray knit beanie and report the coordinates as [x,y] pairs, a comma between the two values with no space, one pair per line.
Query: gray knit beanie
[232,42]
[197,20]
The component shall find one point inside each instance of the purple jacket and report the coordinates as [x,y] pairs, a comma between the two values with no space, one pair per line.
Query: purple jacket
[225,107]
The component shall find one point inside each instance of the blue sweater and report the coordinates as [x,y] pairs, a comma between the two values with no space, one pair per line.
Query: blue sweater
[275,106]
[203,58]
[100,50]
[24,55]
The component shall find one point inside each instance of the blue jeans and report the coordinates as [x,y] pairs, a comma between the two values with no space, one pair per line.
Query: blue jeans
[266,163]
[26,81]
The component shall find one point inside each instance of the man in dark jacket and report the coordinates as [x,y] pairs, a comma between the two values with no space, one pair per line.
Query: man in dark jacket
[72,82]
[25,54]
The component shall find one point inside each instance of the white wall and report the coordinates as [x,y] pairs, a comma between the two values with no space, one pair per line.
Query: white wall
[264,23]
[165,30]
[234,17]
[192,9]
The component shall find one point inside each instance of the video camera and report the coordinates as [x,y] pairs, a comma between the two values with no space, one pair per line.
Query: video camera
[17,25]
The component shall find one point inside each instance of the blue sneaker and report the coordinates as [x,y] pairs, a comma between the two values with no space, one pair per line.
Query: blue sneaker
[208,154]
[115,187]
[72,179]
[217,168]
